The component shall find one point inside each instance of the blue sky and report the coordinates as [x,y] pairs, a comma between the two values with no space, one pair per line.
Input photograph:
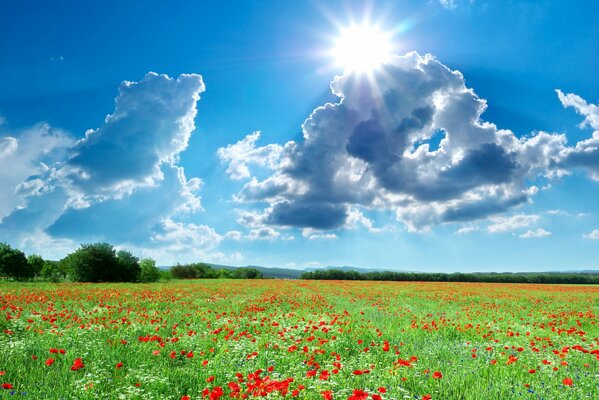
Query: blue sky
[198,131]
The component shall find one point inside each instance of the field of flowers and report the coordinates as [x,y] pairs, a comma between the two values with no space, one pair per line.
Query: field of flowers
[303,339]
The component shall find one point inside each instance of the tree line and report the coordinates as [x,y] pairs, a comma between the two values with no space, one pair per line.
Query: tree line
[505,277]
[97,262]
[101,262]
[205,271]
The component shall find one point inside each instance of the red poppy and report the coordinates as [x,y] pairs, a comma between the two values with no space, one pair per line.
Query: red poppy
[437,375]
[49,361]
[77,364]
[6,386]
[568,382]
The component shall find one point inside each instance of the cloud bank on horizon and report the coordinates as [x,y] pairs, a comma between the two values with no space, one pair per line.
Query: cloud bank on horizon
[408,139]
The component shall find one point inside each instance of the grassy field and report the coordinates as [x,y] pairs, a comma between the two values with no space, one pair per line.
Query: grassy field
[303,339]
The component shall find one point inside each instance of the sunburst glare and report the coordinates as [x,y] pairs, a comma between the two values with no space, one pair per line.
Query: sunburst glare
[362,48]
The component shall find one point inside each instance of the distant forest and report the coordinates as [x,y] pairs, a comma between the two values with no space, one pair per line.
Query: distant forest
[101,262]
[505,277]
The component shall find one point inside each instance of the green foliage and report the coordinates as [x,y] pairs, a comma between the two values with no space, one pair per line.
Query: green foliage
[205,271]
[246,273]
[149,271]
[336,274]
[128,267]
[53,271]
[165,275]
[13,263]
[98,262]
[183,272]
[36,263]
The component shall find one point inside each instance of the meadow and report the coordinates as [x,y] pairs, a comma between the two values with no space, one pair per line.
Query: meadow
[211,339]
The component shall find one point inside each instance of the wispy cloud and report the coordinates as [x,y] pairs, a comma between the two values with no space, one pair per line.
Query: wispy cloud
[594,234]
[538,233]
[509,224]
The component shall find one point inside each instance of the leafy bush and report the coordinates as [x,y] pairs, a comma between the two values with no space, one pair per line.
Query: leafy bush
[149,271]
[13,263]
[99,262]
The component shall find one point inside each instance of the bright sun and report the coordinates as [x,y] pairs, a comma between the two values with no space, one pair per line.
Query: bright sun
[362,48]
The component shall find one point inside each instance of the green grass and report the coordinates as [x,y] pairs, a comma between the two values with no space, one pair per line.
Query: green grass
[239,327]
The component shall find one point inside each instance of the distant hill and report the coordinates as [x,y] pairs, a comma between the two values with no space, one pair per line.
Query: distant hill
[288,273]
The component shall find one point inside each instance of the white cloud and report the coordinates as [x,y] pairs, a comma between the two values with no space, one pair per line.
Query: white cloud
[586,152]
[313,234]
[556,212]
[508,224]
[23,157]
[589,111]
[264,233]
[594,234]
[373,150]
[151,124]
[312,264]
[233,235]
[540,232]
[466,229]
[355,218]
[244,153]
[448,3]
[121,183]
[39,242]
[187,235]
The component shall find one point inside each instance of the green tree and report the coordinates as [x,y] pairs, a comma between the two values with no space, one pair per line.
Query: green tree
[204,271]
[183,272]
[149,271]
[53,271]
[13,263]
[128,269]
[246,273]
[36,263]
[99,262]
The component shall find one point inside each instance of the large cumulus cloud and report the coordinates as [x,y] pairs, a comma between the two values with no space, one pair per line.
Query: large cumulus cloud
[24,157]
[119,183]
[151,124]
[374,149]
[586,152]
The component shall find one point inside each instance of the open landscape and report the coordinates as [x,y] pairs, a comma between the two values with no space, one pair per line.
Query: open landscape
[312,200]
[211,339]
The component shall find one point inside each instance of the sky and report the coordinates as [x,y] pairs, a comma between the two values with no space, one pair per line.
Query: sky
[237,132]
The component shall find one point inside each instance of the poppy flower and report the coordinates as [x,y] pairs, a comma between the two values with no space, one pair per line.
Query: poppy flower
[77,364]
[6,386]
[437,375]
[49,361]
[568,382]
